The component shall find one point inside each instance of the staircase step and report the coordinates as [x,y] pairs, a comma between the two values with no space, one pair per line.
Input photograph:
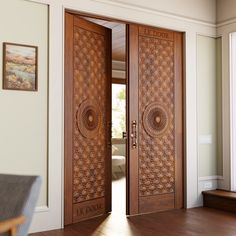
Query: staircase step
[220,199]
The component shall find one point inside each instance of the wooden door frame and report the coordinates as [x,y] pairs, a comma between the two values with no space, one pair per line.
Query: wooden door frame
[68,112]
[105,18]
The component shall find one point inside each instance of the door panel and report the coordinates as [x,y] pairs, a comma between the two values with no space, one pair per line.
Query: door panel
[155,120]
[87,119]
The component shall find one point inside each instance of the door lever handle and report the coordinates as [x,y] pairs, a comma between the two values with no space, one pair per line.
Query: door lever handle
[133,134]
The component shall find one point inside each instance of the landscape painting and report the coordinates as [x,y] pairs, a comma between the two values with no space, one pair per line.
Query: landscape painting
[19,67]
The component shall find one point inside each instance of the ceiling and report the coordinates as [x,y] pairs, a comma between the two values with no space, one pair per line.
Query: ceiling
[118,37]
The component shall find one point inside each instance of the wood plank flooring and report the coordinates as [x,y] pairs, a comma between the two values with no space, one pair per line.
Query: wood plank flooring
[197,221]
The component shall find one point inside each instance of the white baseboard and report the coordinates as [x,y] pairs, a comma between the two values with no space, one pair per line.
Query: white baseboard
[41,209]
[207,183]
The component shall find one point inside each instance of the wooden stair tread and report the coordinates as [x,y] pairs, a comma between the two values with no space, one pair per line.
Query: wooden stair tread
[220,199]
[221,193]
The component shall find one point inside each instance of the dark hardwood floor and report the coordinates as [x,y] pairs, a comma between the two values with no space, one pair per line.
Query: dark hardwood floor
[197,221]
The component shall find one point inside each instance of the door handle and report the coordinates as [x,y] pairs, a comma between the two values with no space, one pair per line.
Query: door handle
[124,135]
[133,134]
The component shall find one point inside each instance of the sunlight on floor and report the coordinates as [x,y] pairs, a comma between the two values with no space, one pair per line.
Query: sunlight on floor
[119,194]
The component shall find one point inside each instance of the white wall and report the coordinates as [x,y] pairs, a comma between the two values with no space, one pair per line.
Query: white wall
[23,126]
[192,17]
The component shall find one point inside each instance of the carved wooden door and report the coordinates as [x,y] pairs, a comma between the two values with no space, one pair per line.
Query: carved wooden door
[87,119]
[155,145]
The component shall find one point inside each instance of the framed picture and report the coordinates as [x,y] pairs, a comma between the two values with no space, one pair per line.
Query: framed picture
[20,67]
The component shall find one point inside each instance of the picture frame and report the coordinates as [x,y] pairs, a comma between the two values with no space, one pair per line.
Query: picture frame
[20,67]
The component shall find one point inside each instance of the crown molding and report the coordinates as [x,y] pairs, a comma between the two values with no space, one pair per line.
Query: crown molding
[156,12]
[226,22]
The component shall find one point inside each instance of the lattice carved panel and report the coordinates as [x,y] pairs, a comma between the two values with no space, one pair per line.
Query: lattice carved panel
[156,116]
[89,124]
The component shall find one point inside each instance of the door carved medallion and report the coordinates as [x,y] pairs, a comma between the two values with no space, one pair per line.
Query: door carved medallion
[89,118]
[155,119]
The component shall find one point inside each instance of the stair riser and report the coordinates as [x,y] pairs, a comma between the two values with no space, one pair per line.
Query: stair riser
[220,203]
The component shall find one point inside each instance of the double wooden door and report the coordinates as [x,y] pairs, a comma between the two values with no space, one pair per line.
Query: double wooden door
[155,115]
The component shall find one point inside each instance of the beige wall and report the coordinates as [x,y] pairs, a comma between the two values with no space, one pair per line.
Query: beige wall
[226,10]
[23,115]
[206,106]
